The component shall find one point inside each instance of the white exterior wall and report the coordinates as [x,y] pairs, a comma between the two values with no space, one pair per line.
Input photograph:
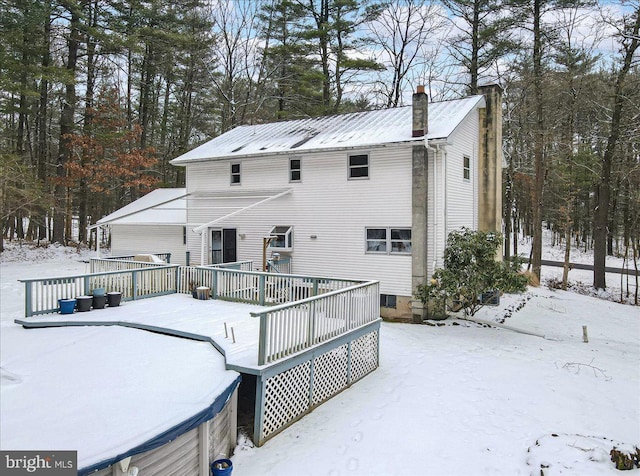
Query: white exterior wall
[132,239]
[457,202]
[325,204]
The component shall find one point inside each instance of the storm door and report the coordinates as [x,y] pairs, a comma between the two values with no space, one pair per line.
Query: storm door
[223,246]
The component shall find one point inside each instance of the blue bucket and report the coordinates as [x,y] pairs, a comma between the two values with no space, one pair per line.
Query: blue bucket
[222,467]
[67,305]
[99,292]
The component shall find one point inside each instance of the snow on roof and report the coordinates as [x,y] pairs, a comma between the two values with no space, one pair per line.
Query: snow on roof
[359,129]
[165,206]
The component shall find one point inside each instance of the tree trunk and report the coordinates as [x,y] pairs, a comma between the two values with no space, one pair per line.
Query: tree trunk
[66,123]
[42,150]
[83,195]
[601,215]
[538,151]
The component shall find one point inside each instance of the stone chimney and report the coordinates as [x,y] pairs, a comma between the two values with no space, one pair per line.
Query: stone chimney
[419,202]
[420,113]
[490,160]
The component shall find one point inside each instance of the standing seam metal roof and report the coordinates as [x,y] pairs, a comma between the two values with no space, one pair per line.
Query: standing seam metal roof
[359,129]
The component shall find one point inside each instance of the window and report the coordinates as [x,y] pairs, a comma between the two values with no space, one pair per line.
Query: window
[466,168]
[359,166]
[377,240]
[400,240]
[235,174]
[388,300]
[294,170]
[283,238]
[388,240]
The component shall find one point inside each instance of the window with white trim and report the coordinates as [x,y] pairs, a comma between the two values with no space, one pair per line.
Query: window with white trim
[388,240]
[359,166]
[282,237]
[466,167]
[235,174]
[295,170]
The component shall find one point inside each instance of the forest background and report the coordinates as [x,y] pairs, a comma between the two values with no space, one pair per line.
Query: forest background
[96,96]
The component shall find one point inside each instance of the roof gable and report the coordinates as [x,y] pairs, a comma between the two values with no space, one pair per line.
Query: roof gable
[359,129]
[165,206]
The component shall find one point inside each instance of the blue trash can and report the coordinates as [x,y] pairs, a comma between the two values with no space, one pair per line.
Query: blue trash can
[222,467]
[67,306]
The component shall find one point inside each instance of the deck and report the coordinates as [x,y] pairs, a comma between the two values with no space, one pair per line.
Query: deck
[305,338]
[179,314]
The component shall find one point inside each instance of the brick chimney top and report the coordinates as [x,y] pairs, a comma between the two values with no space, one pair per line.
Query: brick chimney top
[420,88]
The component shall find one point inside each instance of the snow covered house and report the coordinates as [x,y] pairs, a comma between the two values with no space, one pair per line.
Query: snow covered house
[369,195]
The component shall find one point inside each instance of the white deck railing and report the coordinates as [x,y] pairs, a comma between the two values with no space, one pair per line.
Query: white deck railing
[244,265]
[255,287]
[290,328]
[306,310]
[102,265]
[42,295]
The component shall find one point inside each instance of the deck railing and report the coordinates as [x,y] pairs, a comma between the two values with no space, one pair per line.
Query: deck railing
[255,287]
[244,265]
[306,310]
[101,265]
[282,265]
[293,327]
[42,295]
[166,257]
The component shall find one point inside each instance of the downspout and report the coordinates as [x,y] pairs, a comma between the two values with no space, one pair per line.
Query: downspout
[444,195]
[435,149]
[203,234]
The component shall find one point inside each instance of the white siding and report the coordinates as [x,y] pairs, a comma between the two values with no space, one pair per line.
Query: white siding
[335,214]
[132,239]
[336,210]
[457,197]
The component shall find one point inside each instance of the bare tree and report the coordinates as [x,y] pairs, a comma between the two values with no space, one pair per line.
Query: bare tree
[403,32]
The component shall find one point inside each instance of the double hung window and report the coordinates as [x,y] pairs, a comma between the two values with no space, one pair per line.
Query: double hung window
[466,168]
[295,170]
[235,174]
[388,240]
[359,166]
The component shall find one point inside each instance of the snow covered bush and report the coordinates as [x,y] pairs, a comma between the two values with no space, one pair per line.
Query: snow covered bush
[471,269]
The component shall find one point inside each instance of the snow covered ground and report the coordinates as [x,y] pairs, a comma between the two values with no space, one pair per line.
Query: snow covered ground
[456,398]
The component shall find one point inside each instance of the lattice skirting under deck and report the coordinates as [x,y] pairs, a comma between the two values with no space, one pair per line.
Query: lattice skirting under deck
[294,392]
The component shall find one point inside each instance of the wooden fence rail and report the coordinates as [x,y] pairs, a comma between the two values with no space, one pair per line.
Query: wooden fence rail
[42,295]
[102,265]
[306,310]
[290,328]
[255,287]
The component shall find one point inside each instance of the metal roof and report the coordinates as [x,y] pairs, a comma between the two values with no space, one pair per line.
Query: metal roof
[359,129]
[163,206]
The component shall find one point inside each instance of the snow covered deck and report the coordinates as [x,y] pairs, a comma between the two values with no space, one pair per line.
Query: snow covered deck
[178,314]
[303,352]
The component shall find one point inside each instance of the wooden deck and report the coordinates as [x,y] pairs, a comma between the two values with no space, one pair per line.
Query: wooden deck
[320,337]
[181,315]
